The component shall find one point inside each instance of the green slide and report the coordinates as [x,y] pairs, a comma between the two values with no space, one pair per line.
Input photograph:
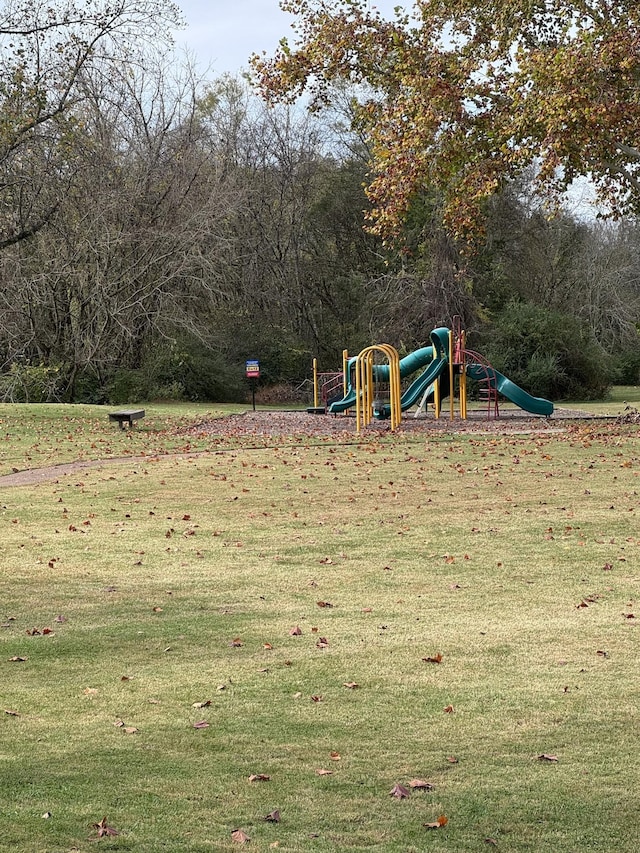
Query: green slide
[509,389]
[409,364]
[435,358]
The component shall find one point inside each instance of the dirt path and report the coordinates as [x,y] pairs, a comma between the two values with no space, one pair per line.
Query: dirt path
[300,424]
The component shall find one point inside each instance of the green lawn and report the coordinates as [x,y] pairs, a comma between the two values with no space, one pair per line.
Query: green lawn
[173,627]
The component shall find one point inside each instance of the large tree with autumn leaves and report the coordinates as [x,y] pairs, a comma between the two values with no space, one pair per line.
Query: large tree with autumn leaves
[458,96]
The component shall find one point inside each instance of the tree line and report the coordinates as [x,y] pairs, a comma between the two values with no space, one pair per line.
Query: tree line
[157,229]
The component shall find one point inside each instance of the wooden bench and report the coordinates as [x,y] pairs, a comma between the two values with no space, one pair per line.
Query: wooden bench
[126,416]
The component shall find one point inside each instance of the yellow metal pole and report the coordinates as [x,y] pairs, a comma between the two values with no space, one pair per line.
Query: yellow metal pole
[357,367]
[365,385]
[451,378]
[369,387]
[345,369]
[463,394]
[463,376]
[315,383]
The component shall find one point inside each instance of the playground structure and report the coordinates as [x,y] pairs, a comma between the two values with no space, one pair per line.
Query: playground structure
[446,365]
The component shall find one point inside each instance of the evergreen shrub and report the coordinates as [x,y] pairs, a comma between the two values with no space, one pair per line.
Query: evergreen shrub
[548,353]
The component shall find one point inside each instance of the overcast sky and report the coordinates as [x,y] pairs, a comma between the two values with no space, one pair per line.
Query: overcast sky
[224,33]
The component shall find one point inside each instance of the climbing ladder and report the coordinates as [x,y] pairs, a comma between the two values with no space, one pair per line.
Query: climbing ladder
[488,393]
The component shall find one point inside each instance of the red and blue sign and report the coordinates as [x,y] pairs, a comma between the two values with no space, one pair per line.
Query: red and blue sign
[252,369]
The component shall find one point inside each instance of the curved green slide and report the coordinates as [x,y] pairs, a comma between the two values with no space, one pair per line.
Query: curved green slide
[509,389]
[435,358]
[423,357]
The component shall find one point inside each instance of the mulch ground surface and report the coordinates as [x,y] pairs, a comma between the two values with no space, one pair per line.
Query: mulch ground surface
[302,423]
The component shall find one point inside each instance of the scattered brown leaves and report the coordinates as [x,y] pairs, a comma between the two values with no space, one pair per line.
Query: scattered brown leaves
[421,785]
[259,777]
[240,836]
[443,820]
[399,791]
[273,817]
[103,829]
[433,658]
[128,730]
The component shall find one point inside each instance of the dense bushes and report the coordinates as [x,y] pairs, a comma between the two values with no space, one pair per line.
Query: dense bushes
[548,353]
[179,370]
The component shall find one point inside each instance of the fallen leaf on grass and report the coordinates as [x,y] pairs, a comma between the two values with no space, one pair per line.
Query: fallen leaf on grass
[491,841]
[421,785]
[259,777]
[452,759]
[11,713]
[443,820]
[201,724]
[17,659]
[322,772]
[236,643]
[103,829]
[433,659]
[449,709]
[322,643]
[316,698]
[352,685]
[399,792]
[273,817]
[240,836]
[205,704]
[295,632]
[546,757]
[324,604]
[335,756]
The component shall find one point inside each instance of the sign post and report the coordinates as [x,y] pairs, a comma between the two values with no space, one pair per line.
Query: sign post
[252,372]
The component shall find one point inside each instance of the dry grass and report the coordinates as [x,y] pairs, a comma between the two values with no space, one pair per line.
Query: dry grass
[513,557]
